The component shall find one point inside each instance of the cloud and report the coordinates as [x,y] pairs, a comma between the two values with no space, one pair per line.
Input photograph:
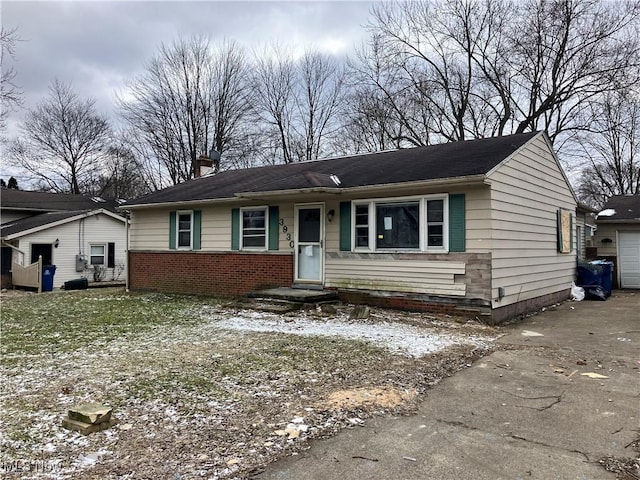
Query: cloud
[98,46]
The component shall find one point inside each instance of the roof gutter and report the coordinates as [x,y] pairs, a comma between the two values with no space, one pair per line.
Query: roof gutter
[442,182]
[201,201]
[621,220]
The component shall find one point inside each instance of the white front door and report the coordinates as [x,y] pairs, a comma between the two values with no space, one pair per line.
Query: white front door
[309,248]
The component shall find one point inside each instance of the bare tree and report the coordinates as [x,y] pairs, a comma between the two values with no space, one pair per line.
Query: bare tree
[274,81]
[461,68]
[299,100]
[120,175]
[10,93]
[582,49]
[231,99]
[320,95]
[191,98]
[611,150]
[63,141]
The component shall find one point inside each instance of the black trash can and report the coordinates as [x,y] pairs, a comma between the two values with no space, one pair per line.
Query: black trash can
[77,284]
[48,271]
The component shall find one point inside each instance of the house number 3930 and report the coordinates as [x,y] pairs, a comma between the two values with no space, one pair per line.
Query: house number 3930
[285,229]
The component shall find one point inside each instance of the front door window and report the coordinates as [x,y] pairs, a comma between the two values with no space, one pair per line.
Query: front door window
[309,249]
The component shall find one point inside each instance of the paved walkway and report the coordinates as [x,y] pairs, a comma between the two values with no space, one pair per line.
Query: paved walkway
[526,411]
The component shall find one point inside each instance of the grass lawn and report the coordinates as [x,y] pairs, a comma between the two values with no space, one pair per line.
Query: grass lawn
[194,395]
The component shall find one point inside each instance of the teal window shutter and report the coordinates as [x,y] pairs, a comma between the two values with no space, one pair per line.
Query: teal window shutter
[197,229]
[274,227]
[172,230]
[235,229]
[457,221]
[345,226]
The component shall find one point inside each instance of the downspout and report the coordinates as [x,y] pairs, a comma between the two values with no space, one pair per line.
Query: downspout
[126,257]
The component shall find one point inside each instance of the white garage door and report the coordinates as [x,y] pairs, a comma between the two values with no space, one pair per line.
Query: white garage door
[629,259]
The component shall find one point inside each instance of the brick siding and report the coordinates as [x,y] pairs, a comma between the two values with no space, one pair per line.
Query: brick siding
[220,274]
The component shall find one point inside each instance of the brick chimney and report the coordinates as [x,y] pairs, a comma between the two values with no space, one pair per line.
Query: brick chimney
[204,165]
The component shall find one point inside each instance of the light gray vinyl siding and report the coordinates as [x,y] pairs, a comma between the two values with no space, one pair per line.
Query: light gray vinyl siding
[478,221]
[149,228]
[388,272]
[607,231]
[526,192]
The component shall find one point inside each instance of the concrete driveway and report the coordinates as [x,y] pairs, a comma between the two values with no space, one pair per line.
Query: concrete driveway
[527,411]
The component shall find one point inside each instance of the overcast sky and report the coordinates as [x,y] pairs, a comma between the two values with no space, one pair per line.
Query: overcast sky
[98,46]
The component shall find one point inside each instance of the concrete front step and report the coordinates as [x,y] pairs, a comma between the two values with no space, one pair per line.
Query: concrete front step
[295,295]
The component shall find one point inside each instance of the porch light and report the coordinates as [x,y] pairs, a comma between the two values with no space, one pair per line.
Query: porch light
[330,214]
[56,243]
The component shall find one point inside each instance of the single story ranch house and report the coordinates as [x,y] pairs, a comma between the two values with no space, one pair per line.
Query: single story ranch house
[482,227]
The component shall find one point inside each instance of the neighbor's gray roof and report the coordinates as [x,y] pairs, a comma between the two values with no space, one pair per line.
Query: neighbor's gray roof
[28,223]
[23,200]
[444,161]
[627,209]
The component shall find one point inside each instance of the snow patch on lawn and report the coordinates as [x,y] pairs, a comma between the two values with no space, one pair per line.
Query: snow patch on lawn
[396,337]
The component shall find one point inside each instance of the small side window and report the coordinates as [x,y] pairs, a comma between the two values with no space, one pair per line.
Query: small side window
[185,229]
[362,226]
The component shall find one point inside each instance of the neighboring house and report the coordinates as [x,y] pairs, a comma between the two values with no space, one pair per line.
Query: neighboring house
[585,228]
[77,234]
[483,226]
[618,238]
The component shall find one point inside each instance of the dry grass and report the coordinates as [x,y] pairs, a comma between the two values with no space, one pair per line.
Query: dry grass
[194,399]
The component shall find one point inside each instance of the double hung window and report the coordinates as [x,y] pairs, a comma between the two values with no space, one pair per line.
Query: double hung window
[185,229]
[254,228]
[98,253]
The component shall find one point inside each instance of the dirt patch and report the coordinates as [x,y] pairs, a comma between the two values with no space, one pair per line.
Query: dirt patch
[384,397]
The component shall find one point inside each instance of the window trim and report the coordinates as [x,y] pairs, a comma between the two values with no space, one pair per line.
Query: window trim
[104,253]
[191,225]
[422,205]
[264,247]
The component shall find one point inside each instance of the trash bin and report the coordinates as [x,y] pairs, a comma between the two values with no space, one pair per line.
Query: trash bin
[77,284]
[596,273]
[606,275]
[48,271]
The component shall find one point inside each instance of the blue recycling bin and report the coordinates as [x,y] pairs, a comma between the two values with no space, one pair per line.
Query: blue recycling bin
[596,273]
[606,275]
[48,271]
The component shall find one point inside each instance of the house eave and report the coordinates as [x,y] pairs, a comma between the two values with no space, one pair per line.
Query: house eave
[172,204]
[396,187]
[332,191]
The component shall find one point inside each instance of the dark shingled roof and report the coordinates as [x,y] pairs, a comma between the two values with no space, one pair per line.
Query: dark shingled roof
[627,209]
[50,202]
[448,160]
[28,223]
